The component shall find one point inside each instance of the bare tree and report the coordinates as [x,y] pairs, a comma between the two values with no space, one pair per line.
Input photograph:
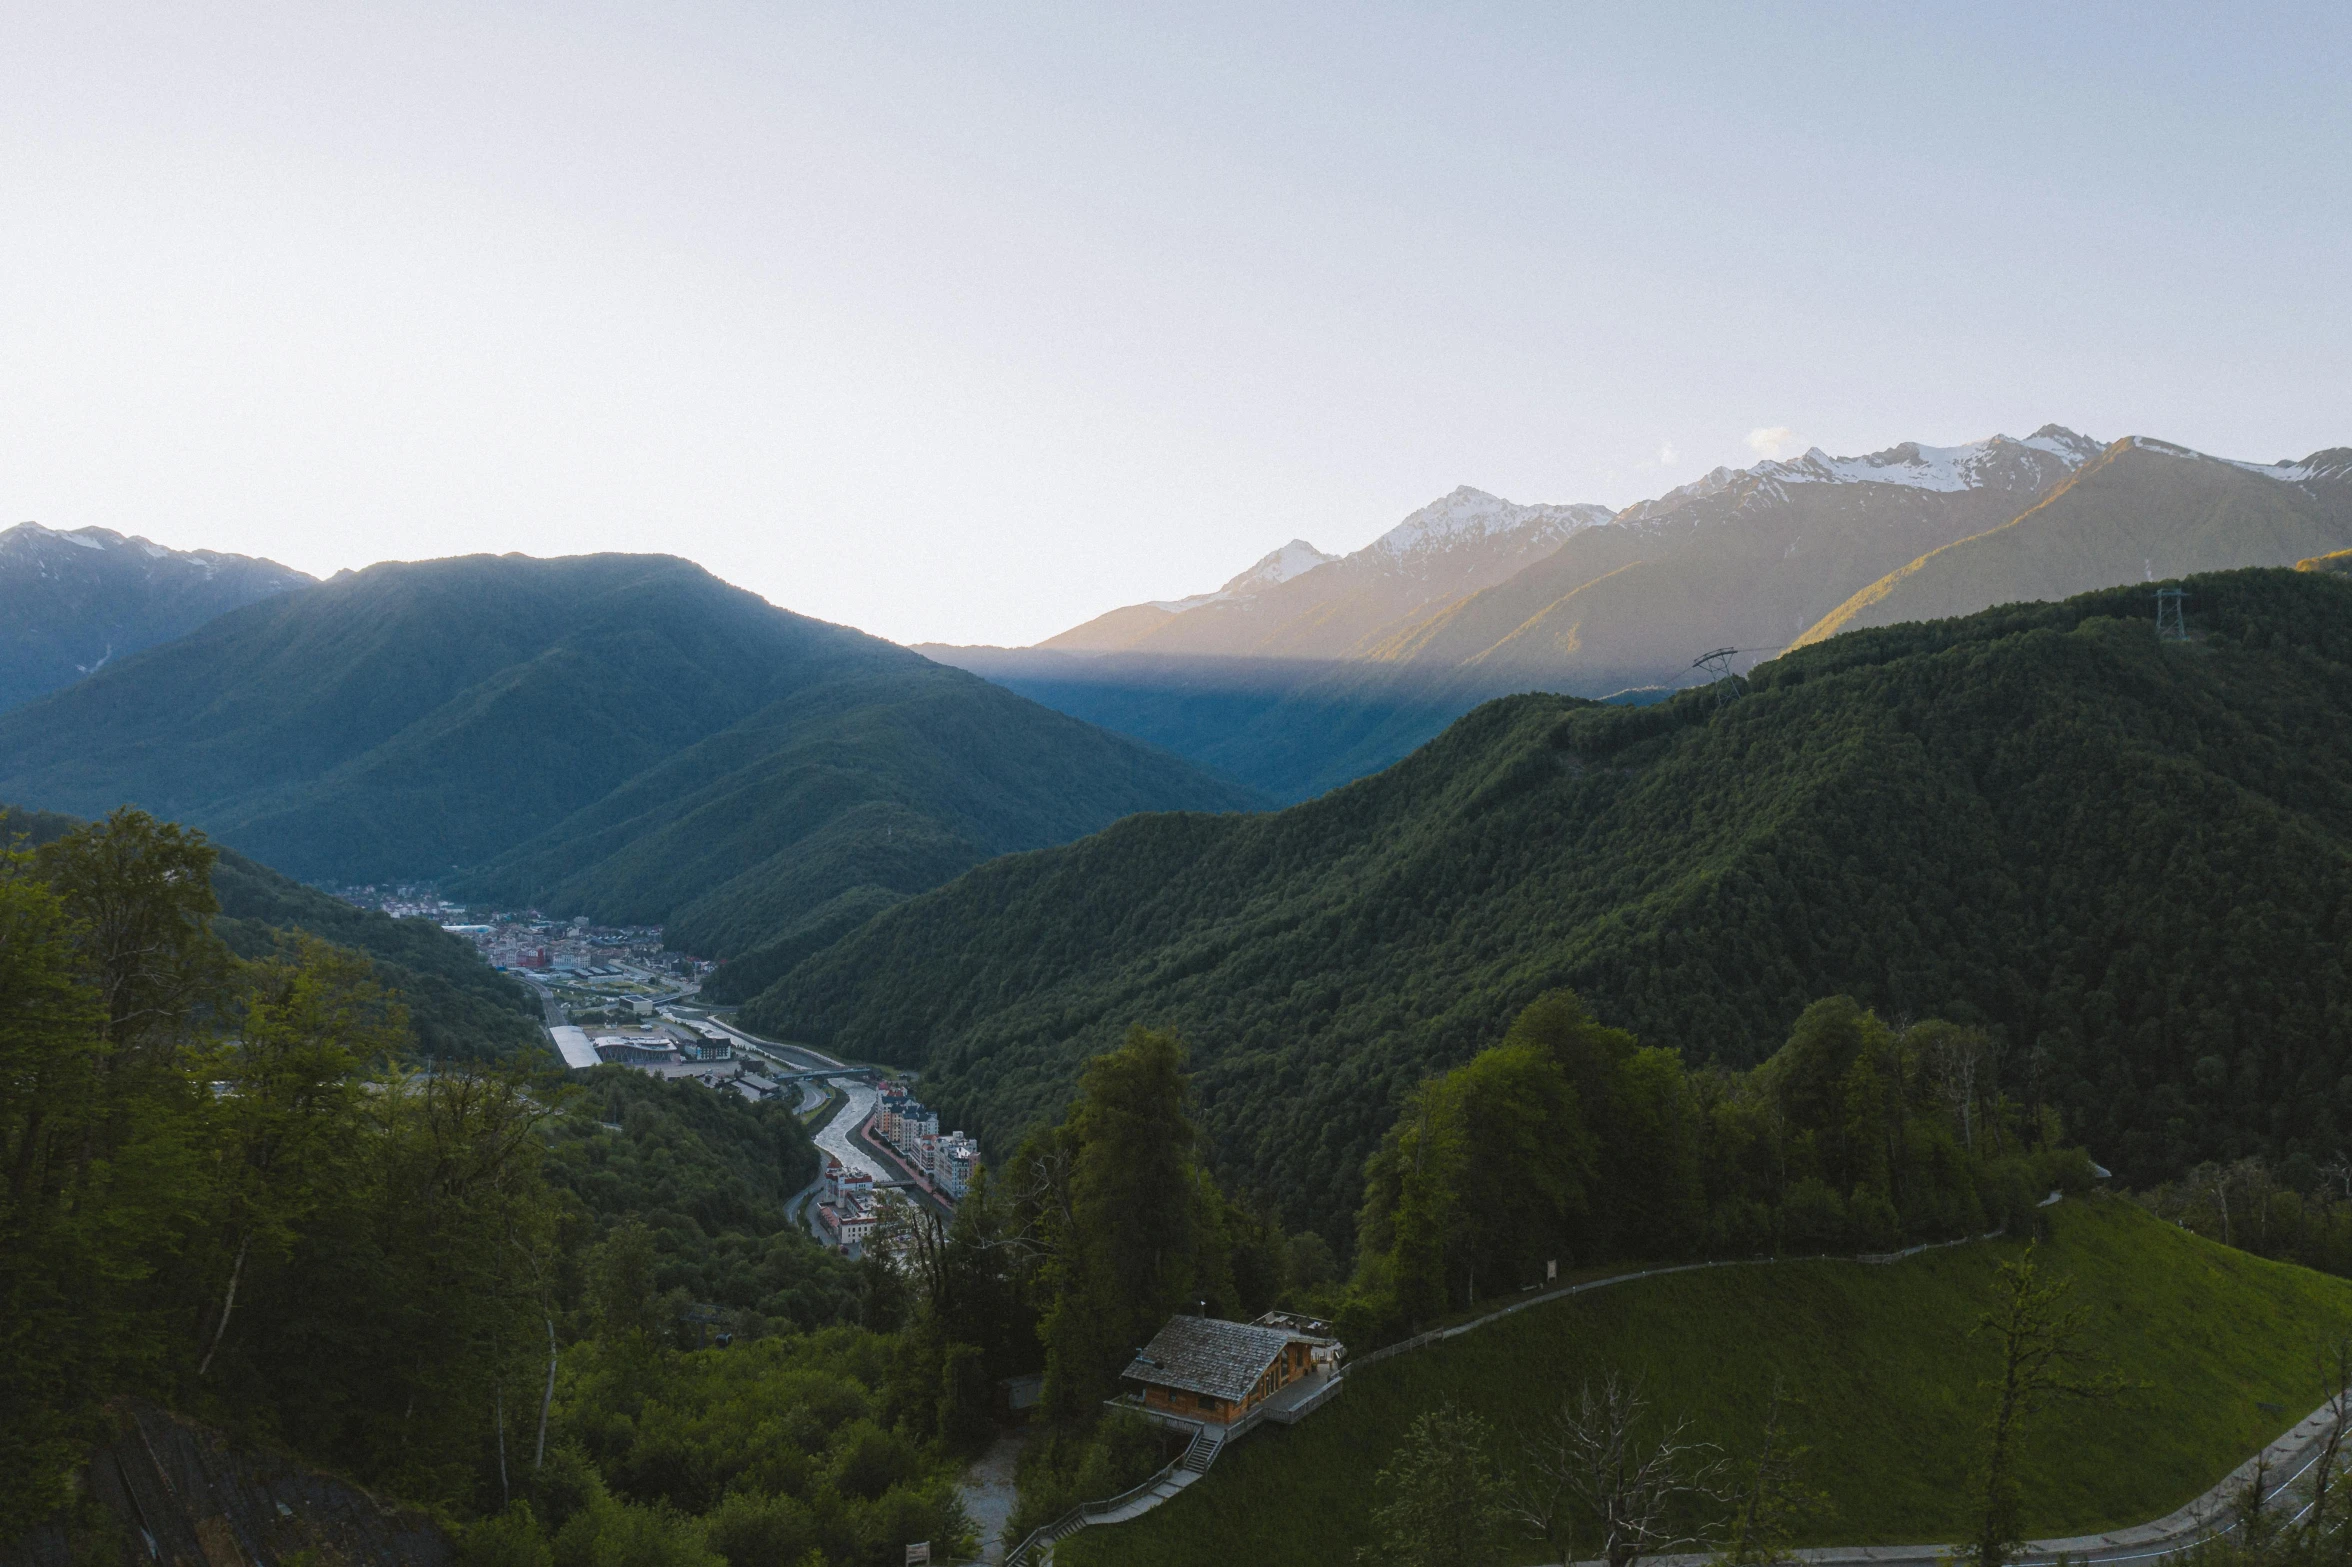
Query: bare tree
[2328,1482]
[1591,1464]
[2043,1357]
[2230,1200]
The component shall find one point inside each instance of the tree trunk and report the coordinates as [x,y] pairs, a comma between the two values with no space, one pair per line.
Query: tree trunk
[546,1400]
[236,1272]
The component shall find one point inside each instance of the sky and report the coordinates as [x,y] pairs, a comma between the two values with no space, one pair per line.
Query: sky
[967,322]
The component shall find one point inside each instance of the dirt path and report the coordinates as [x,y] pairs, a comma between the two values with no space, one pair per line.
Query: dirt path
[987,1490]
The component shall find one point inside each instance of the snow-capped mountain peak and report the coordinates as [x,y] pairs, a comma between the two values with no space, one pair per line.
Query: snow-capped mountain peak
[1996,460]
[1941,468]
[1271,570]
[1294,559]
[2063,443]
[1465,516]
[2331,465]
[87,597]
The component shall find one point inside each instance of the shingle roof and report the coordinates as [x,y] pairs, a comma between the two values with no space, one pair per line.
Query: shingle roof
[1208,1355]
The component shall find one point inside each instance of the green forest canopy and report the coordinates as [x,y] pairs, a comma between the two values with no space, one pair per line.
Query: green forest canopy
[458,1006]
[231,1189]
[2130,861]
[624,736]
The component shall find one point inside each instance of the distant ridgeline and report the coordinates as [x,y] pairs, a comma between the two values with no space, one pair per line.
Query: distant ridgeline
[2132,859]
[619,735]
[74,602]
[458,1005]
[1306,672]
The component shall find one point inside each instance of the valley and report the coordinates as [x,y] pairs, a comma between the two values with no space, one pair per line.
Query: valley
[1174,786]
[708,946]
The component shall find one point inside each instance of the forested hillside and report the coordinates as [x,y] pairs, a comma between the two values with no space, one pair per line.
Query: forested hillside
[2131,860]
[232,1193]
[622,735]
[458,1005]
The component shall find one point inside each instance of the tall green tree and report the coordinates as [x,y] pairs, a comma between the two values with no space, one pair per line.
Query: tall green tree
[140,895]
[1129,1219]
[286,1103]
[1483,1179]
[60,1263]
[109,969]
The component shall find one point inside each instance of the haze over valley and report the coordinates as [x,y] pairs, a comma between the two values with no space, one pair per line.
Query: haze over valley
[1432,786]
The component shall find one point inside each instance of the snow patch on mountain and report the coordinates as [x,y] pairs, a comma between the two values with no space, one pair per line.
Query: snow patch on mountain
[1996,460]
[2059,441]
[2332,464]
[1468,516]
[1294,559]
[2329,465]
[1944,469]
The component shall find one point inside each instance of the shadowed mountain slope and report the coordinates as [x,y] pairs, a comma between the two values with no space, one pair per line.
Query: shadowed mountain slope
[617,734]
[71,603]
[2144,510]
[1743,559]
[2133,859]
[1591,603]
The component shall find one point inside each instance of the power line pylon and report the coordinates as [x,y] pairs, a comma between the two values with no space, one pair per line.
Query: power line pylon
[1729,687]
[2171,624]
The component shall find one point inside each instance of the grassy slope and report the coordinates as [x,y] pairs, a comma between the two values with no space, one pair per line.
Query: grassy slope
[1883,1356]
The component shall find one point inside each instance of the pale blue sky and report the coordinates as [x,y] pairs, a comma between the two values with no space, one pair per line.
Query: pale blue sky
[968,322]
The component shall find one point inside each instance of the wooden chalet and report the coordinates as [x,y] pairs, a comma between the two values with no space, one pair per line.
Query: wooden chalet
[1208,1369]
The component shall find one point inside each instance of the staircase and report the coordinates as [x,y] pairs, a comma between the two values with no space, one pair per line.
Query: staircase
[1206,1442]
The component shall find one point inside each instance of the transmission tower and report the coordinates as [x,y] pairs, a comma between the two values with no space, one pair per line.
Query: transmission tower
[1728,685]
[2171,624]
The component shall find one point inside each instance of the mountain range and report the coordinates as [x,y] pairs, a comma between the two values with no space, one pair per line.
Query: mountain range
[2142,510]
[72,603]
[1345,664]
[2129,858]
[1299,603]
[621,735]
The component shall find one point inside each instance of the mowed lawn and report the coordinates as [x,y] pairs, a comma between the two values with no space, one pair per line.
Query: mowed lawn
[1883,1359]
